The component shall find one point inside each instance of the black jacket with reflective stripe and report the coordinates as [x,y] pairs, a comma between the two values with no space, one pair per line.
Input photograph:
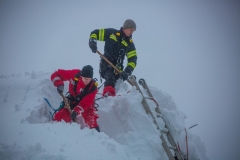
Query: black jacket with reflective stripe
[117,45]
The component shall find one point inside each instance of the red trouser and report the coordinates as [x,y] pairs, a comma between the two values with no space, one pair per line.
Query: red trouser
[90,116]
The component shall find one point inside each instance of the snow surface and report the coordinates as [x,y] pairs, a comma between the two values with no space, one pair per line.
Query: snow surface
[189,49]
[127,132]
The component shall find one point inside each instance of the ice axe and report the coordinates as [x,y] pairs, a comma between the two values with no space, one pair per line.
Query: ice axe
[116,69]
[67,105]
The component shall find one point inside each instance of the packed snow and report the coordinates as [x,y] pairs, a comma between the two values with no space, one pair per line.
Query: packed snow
[127,132]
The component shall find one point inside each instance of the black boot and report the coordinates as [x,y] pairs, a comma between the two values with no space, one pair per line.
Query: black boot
[97,128]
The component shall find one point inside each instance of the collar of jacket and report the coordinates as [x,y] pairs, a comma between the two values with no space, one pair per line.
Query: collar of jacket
[123,34]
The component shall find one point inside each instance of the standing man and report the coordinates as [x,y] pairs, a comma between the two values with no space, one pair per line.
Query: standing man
[118,44]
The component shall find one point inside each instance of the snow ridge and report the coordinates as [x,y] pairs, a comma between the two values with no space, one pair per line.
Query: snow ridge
[127,132]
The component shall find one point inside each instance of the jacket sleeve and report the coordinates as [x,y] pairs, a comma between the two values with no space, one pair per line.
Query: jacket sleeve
[56,79]
[59,76]
[131,58]
[102,34]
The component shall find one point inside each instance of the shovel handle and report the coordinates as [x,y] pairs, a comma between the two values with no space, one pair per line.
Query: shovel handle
[116,69]
[66,103]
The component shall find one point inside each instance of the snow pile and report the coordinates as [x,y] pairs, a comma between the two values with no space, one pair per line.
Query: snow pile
[127,132]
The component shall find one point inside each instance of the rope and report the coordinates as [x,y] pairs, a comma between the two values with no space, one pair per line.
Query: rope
[55,110]
[153,100]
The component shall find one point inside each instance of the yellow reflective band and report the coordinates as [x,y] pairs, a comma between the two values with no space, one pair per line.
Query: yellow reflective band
[131,54]
[124,43]
[133,65]
[113,37]
[101,34]
[94,36]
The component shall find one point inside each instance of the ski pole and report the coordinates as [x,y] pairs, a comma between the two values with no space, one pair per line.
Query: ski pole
[116,69]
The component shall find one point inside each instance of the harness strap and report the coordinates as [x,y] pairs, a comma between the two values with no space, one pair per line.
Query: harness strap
[86,90]
[76,78]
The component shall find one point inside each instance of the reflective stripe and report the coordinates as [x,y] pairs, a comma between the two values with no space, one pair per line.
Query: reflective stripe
[72,81]
[133,65]
[56,79]
[101,34]
[81,109]
[131,54]
[94,36]
[113,37]
[124,43]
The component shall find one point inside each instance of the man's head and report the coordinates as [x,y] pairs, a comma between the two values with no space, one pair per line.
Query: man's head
[129,26]
[87,74]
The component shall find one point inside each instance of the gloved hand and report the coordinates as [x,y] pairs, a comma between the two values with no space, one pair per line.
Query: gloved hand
[124,75]
[76,111]
[93,45]
[60,89]
[74,116]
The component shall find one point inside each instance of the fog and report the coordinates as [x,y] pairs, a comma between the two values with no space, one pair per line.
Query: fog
[189,49]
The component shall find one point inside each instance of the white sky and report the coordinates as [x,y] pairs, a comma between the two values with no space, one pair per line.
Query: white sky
[188,49]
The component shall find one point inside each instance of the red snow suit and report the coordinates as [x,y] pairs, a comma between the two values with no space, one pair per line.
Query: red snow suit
[85,105]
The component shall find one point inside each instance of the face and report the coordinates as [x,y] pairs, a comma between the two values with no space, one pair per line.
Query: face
[86,80]
[128,31]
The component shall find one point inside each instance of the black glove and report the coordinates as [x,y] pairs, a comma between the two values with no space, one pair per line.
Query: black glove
[124,75]
[74,116]
[60,89]
[93,45]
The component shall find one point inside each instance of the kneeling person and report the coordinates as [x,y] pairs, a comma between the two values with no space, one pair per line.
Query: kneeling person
[82,92]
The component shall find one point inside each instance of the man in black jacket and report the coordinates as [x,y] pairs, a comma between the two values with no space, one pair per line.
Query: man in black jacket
[118,44]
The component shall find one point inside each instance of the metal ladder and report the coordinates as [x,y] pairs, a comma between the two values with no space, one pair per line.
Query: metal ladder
[168,142]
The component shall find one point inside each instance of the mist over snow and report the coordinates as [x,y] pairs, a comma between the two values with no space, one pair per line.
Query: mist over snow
[127,132]
[188,52]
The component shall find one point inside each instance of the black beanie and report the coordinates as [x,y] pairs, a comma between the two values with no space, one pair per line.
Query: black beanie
[129,24]
[87,71]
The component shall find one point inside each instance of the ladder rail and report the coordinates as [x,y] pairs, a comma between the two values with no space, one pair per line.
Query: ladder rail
[148,111]
[169,134]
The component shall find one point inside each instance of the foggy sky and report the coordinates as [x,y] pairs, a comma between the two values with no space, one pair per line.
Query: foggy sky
[189,49]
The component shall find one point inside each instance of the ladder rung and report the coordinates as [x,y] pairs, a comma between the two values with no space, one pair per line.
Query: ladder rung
[173,148]
[164,131]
